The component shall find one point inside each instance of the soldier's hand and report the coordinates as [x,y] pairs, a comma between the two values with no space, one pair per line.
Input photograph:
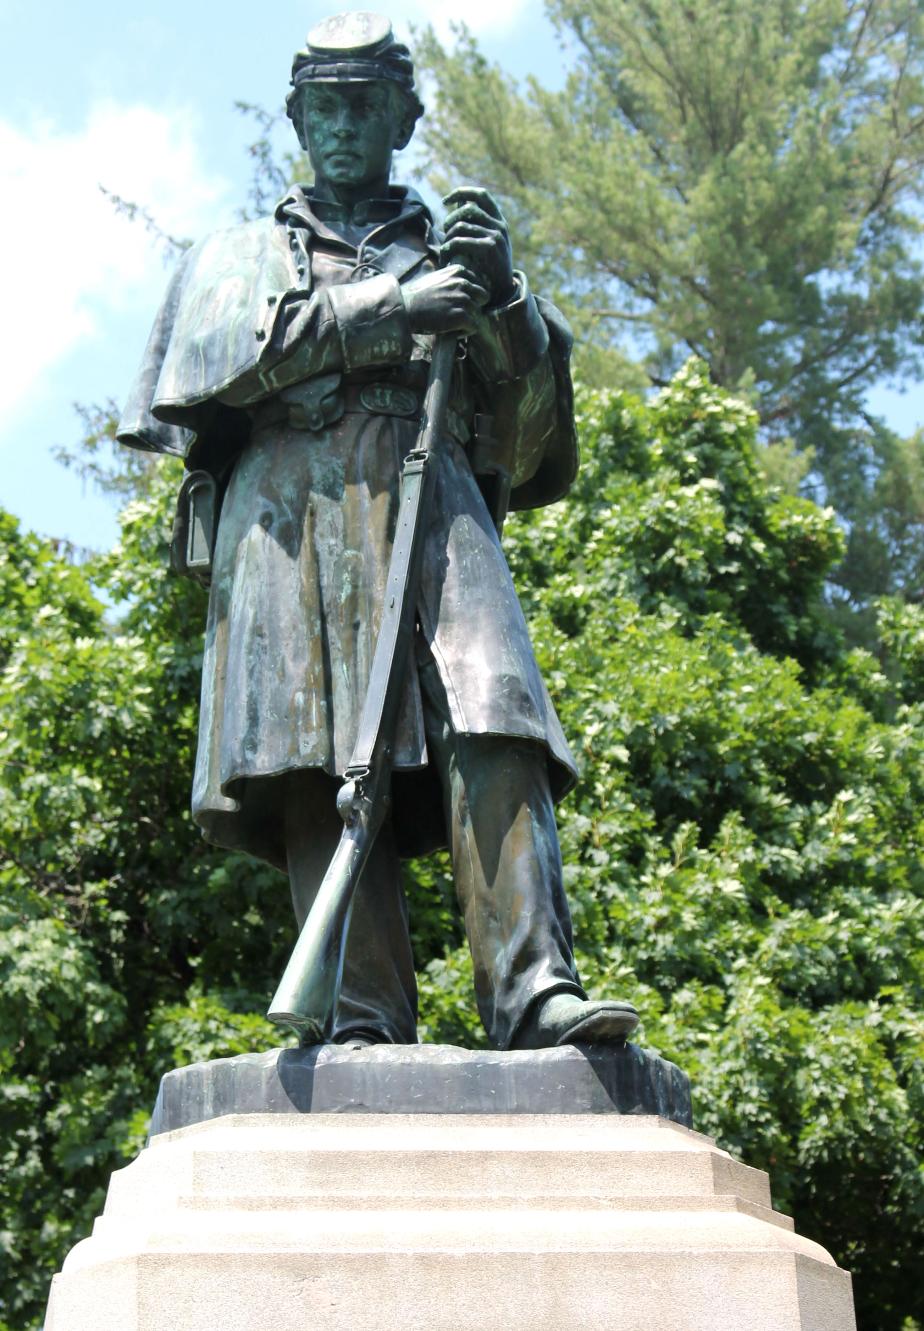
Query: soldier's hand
[476,236]
[445,301]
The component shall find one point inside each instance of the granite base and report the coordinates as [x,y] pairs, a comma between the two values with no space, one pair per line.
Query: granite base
[448,1222]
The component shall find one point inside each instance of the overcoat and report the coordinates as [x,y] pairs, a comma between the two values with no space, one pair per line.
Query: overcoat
[283,363]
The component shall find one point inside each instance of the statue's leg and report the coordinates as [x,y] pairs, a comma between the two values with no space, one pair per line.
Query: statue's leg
[378,997]
[506,864]
[508,875]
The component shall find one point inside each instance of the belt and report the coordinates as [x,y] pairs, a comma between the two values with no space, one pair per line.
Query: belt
[384,399]
[310,408]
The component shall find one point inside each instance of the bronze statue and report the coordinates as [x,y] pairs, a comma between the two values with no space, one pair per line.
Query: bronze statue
[288,366]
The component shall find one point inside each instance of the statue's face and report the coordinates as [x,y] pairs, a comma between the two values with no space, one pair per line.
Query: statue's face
[350,131]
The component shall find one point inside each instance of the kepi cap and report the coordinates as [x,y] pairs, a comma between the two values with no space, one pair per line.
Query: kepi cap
[358,31]
[354,47]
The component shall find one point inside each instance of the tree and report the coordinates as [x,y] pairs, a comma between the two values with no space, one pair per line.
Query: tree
[880,483]
[739,179]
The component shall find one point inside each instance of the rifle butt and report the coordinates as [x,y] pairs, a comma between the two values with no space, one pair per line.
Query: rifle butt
[306,999]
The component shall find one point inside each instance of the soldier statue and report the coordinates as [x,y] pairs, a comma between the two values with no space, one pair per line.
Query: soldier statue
[288,365]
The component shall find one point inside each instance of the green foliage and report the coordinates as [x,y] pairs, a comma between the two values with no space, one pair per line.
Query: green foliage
[743,852]
[901,631]
[35,584]
[878,480]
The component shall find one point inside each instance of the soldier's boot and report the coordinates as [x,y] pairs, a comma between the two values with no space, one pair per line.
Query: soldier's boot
[568,1019]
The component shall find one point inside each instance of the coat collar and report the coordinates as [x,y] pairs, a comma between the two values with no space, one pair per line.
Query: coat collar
[401,207]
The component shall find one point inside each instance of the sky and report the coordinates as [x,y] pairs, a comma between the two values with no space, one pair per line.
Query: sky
[138,99]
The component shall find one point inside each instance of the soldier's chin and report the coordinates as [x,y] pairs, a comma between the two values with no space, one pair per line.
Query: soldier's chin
[344,161]
[347,175]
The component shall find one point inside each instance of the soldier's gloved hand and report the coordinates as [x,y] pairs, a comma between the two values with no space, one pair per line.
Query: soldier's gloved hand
[444,301]
[476,236]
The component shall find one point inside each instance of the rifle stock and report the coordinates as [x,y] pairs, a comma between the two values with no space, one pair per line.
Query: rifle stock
[307,995]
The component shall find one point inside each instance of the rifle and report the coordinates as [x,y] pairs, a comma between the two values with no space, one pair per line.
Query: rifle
[310,986]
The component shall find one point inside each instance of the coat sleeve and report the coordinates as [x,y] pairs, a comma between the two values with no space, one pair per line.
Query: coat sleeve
[344,328]
[521,354]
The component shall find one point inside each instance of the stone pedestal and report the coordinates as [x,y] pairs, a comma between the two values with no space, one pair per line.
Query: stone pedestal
[594,1221]
[426,1079]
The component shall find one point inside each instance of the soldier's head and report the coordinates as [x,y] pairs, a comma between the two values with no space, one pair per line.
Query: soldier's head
[353,102]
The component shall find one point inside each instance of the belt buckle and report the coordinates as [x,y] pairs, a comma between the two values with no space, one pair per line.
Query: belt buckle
[388,400]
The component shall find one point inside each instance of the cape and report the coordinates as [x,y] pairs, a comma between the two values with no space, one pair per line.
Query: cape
[211,328]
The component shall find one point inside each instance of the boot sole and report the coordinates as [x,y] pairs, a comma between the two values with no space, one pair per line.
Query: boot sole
[603,1026]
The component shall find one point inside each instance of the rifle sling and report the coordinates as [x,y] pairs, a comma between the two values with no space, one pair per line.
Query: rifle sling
[374,744]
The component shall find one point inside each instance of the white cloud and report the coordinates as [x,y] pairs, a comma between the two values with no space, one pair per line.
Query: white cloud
[485,18]
[66,257]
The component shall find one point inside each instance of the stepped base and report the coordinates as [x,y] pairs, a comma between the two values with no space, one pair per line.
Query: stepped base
[595,1222]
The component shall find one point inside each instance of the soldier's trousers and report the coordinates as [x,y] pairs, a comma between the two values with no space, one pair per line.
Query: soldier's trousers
[500,824]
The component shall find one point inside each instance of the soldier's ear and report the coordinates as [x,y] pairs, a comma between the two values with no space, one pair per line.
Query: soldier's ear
[295,110]
[408,113]
[403,137]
